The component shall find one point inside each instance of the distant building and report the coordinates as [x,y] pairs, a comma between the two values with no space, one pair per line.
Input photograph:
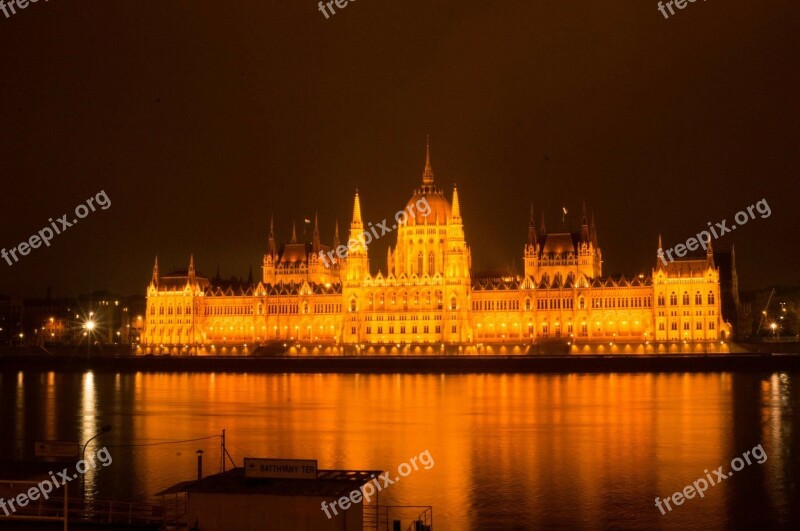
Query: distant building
[428,301]
[62,321]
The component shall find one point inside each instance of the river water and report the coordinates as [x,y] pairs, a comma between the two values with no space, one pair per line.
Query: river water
[509,451]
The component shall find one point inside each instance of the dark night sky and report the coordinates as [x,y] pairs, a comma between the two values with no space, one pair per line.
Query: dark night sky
[200,119]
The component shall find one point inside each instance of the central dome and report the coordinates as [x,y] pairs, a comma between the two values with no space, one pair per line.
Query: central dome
[428,206]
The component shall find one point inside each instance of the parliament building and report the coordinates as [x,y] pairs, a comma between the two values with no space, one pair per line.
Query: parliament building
[310,301]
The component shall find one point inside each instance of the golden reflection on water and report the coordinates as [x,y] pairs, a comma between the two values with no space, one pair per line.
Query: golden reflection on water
[510,451]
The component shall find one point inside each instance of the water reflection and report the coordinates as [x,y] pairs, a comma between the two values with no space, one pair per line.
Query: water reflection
[87,418]
[511,451]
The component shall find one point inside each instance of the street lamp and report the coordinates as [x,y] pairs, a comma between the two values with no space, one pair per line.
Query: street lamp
[89,326]
[104,429]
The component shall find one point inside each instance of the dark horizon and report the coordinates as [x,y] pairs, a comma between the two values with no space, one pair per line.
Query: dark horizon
[201,124]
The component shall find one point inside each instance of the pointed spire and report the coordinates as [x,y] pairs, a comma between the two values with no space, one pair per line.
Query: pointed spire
[357,223]
[456,203]
[191,266]
[532,228]
[271,247]
[661,260]
[155,272]
[427,174]
[710,255]
[315,243]
[336,236]
[294,232]
[584,225]
[542,227]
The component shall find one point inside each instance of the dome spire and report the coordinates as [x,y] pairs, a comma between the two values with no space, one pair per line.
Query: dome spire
[427,175]
[357,223]
[456,204]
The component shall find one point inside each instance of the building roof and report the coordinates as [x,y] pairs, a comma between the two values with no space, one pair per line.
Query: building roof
[329,483]
[559,243]
[176,282]
[686,268]
[439,207]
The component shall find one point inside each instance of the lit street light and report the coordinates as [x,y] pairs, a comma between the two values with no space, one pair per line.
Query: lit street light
[104,429]
[89,325]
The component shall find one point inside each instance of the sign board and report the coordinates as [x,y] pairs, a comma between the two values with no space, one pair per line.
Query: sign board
[280,468]
[55,449]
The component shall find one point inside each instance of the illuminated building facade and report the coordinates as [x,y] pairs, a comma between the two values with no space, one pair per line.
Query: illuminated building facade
[429,301]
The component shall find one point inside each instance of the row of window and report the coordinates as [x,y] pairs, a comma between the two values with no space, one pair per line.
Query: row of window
[327,308]
[426,329]
[285,308]
[566,303]
[497,305]
[555,304]
[400,317]
[674,313]
[393,299]
[231,310]
[178,309]
[620,302]
[698,298]
[686,326]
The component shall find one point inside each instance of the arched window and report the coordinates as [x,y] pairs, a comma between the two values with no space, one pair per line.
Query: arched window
[419,264]
[453,304]
[673,299]
[383,299]
[581,303]
[169,310]
[711,297]
[371,300]
[685,298]
[352,305]
[431,266]
[416,295]
[527,304]
[152,310]
[260,309]
[661,299]
[305,307]
[698,299]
